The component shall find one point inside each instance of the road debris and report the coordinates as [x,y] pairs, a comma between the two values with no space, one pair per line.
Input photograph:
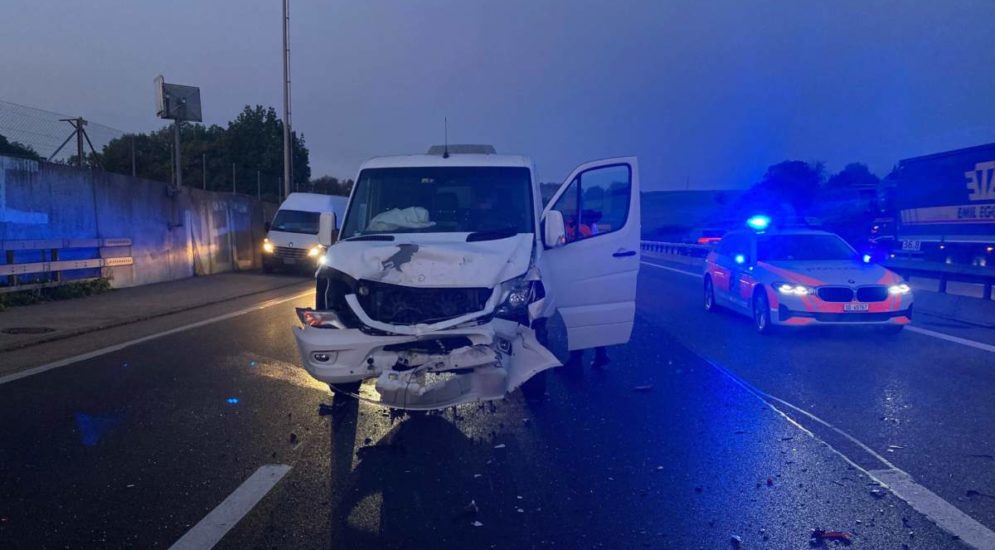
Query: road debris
[477,524]
[736,541]
[820,535]
[643,388]
[877,493]
[499,446]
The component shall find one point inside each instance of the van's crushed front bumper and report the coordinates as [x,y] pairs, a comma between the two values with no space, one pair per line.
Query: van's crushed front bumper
[429,369]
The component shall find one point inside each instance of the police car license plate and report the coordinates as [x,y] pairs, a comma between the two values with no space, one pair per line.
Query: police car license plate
[855,307]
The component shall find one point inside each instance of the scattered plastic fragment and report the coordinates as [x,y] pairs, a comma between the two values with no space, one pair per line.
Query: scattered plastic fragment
[519,510]
[646,387]
[477,524]
[819,535]
[659,468]
[129,486]
[877,493]
[519,497]
[736,541]
[499,446]
[478,475]
[232,400]
[468,511]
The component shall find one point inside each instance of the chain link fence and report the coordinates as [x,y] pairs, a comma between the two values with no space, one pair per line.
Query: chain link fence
[44,131]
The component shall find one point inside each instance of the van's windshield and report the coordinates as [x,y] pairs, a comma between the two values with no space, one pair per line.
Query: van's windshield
[295,221]
[441,200]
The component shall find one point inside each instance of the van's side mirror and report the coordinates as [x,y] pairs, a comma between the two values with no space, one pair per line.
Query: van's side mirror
[326,227]
[554,233]
[266,225]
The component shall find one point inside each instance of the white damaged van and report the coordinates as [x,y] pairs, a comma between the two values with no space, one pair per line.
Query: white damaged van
[292,237]
[450,282]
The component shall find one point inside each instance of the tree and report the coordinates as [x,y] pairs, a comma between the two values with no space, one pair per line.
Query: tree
[330,185]
[788,189]
[252,143]
[855,175]
[15,149]
[848,203]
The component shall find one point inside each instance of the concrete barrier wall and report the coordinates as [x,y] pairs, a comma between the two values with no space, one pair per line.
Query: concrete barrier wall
[192,232]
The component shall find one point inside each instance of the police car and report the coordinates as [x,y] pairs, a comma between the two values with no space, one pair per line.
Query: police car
[802,276]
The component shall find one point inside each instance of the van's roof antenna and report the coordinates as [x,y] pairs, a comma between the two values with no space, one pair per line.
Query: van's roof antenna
[445,132]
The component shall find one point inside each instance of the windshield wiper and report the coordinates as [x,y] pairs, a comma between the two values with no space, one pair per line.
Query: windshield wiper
[370,238]
[492,234]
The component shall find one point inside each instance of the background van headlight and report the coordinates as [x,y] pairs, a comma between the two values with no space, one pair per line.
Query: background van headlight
[314,251]
[900,288]
[268,246]
[793,289]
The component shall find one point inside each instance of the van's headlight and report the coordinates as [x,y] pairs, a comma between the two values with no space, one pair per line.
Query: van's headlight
[793,289]
[268,246]
[315,251]
[900,288]
[517,294]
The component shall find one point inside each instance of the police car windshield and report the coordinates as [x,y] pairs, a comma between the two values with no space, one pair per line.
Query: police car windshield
[441,200]
[803,247]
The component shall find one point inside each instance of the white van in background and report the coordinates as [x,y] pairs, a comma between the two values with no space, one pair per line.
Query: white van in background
[292,237]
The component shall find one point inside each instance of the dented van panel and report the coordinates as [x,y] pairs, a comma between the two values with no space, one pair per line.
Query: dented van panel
[443,287]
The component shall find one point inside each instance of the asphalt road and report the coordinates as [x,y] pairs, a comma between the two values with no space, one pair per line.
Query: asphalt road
[673,446]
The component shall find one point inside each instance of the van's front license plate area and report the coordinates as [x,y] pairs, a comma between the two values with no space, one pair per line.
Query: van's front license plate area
[289,261]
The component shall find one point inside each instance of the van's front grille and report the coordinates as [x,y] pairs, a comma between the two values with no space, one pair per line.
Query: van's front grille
[287,252]
[403,305]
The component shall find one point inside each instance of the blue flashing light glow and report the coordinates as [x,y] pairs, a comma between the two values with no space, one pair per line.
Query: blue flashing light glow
[758,223]
[232,400]
[867,258]
[740,259]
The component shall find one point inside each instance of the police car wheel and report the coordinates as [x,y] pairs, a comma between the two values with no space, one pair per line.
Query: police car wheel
[710,304]
[761,313]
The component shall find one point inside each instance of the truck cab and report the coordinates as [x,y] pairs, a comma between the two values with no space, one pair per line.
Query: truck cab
[451,282]
[291,241]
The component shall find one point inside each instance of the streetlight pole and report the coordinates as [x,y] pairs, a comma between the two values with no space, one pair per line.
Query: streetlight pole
[287,157]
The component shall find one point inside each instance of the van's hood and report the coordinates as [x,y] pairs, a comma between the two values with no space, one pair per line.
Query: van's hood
[434,260]
[292,240]
[841,272]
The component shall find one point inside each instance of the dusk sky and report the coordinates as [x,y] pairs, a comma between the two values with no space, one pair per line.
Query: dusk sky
[706,92]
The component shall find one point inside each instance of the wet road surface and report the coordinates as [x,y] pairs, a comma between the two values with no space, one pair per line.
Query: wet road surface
[669,447]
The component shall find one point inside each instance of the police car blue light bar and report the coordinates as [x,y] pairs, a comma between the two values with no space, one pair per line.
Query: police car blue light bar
[758,223]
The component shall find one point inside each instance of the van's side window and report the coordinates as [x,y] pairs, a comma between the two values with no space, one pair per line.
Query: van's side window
[596,202]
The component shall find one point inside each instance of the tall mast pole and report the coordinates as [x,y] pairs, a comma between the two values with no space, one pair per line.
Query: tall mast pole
[287,156]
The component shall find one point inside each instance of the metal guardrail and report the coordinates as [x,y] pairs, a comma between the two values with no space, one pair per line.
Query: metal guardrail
[675,249]
[53,265]
[945,273]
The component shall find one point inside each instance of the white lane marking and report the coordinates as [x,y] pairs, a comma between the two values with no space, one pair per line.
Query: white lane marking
[935,508]
[925,332]
[117,347]
[216,524]
[675,270]
[947,516]
[955,339]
